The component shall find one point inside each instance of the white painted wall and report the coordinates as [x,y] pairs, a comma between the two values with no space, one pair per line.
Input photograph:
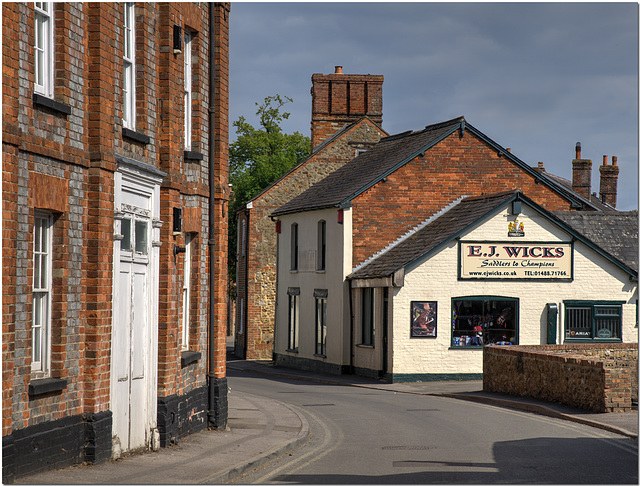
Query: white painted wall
[307,278]
[595,278]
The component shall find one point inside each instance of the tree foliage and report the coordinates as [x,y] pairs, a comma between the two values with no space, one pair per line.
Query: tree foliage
[258,157]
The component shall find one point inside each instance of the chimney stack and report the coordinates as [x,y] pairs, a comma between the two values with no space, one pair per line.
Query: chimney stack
[609,181]
[581,182]
[339,99]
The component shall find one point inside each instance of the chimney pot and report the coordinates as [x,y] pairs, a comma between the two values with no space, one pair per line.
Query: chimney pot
[604,160]
[338,70]
[614,160]
[540,165]
[578,150]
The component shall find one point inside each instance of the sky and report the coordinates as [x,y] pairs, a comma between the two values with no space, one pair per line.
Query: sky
[533,77]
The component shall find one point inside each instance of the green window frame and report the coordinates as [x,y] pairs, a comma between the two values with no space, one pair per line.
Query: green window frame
[592,321]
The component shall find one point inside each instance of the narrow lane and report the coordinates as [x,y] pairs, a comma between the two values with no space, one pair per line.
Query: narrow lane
[364,436]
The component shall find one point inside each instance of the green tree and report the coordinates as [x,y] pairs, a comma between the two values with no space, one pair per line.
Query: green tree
[258,157]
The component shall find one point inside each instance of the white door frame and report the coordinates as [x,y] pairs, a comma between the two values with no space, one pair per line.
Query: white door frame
[137,196]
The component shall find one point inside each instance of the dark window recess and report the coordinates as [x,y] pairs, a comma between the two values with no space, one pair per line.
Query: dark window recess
[593,321]
[190,155]
[135,136]
[56,106]
[189,357]
[46,385]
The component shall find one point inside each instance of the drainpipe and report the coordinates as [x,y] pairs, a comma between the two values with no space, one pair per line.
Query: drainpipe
[218,406]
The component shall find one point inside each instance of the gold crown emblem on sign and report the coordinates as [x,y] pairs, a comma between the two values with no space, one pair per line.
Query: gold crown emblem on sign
[516,228]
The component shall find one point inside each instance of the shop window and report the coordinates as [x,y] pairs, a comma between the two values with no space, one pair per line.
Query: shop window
[593,321]
[321,322]
[294,318]
[367,316]
[484,321]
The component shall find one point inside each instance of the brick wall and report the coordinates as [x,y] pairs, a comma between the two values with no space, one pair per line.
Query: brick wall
[62,156]
[596,377]
[454,167]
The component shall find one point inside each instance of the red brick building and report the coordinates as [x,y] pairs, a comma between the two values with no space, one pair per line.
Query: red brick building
[346,120]
[115,170]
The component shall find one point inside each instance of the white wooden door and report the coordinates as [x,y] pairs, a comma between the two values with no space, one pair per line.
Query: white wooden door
[131,335]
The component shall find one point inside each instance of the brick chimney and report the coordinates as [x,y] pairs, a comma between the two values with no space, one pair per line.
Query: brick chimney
[581,182]
[609,181]
[339,99]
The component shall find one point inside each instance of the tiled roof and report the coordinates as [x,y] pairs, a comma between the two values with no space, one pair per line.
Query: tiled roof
[593,199]
[389,154]
[615,232]
[315,152]
[439,231]
[366,168]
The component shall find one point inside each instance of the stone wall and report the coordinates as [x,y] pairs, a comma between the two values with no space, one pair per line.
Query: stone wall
[600,377]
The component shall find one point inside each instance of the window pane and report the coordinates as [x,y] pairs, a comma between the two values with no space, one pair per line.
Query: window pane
[367,316]
[141,237]
[125,231]
[579,322]
[44,271]
[478,322]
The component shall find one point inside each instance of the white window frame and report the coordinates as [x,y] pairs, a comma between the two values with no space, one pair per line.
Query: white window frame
[43,49]
[188,95]
[186,292]
[294,319]
[129,67]
[321,323]
[42,282]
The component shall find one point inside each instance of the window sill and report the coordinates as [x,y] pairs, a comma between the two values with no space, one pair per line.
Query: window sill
[292,350]
[136,136]
[320,355]
[46,385]
[189,357]
[589,340]
[467,348]
[367,346]
[190,155]
[61,108]
[321,270]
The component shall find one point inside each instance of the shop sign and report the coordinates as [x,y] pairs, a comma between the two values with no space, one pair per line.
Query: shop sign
[484,260]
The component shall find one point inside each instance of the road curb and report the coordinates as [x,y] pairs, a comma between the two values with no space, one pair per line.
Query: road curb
[238,470]
[540,410]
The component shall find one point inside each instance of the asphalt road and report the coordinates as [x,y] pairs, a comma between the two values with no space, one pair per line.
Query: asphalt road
[365,436]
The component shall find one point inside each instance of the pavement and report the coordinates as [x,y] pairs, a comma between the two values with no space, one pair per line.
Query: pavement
[261,429]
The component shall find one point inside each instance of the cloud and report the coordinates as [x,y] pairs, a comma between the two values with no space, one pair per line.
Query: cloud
[536,77]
